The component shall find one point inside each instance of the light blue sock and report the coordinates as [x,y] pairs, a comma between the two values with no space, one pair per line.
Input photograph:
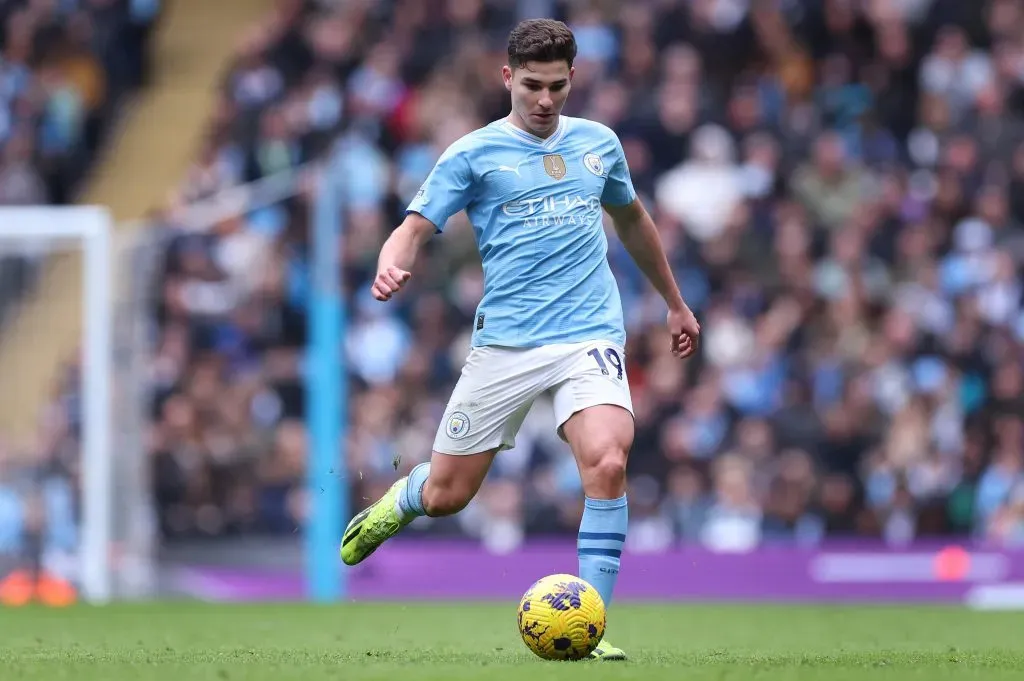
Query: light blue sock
[599,546]
[410,504]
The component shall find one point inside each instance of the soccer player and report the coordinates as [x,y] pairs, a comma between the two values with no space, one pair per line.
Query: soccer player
[534,185]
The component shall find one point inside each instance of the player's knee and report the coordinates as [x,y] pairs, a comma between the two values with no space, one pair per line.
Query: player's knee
[606,477]
[441,500]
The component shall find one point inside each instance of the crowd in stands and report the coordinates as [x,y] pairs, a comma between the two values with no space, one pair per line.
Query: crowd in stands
[65,67]
[66,70]
[839,186]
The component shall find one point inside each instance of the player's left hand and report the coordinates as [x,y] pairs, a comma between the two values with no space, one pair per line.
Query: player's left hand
[685,331]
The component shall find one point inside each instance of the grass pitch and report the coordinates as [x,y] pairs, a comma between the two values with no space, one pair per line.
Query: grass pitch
[428,642]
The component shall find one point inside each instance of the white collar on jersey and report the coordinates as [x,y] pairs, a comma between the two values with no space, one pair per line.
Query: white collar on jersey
[549,142]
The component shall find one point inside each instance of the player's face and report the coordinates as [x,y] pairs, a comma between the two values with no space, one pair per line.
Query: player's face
[539,90]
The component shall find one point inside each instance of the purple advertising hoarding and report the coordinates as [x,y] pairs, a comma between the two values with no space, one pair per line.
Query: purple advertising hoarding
[831,573]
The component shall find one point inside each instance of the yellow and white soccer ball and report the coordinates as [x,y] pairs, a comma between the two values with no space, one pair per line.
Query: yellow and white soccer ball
[562,617]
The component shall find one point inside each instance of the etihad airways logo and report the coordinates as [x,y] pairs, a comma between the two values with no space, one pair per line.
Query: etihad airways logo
[568,210]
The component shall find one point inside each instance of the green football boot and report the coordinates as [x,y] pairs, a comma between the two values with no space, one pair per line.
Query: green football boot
[373,526]
[607,652]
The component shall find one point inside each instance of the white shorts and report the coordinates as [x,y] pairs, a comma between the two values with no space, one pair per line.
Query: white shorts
[498,386]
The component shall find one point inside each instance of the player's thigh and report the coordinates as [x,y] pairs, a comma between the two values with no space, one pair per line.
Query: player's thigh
[594,412]
[599,431]
[489,403]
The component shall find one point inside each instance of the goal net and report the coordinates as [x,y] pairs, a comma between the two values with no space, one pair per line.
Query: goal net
[57,498]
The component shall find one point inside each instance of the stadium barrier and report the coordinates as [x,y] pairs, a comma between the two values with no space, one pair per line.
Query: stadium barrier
[832,572]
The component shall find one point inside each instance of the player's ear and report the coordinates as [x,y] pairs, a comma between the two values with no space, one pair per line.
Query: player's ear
[572,72]
[506,75]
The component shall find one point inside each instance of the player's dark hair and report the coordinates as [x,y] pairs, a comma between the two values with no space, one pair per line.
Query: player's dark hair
[543,40]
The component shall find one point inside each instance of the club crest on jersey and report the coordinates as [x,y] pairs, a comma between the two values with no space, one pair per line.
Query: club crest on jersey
[458,425]
[594,164]
[554,166]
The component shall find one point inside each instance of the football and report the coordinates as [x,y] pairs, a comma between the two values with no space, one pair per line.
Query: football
[561,617]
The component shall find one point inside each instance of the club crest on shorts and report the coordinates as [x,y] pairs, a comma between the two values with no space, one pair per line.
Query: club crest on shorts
[457,425]
[594,164]
[554,166]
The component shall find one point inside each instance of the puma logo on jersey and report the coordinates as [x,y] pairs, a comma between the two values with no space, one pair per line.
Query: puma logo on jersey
[510,169]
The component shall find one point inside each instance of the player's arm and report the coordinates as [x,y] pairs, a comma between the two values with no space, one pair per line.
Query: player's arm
[447,190]
[398,255]
[639,234]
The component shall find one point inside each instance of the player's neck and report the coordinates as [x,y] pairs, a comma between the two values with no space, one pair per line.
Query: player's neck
[518,122]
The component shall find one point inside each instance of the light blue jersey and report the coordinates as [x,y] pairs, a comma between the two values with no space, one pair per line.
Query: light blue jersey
[535,205]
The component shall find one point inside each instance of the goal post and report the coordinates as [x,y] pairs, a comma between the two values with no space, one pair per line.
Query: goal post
[114,553]
[89,228]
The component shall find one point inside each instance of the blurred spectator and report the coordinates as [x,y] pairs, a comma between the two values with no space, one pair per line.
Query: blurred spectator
[64,69]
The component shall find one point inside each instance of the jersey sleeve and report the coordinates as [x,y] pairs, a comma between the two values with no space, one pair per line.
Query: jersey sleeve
[447,189]
[618,188]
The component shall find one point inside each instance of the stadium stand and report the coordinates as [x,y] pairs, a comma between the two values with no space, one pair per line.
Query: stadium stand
[65,68]
[839,185]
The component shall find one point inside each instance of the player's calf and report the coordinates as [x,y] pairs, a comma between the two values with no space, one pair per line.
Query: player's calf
[446,485]
[427,495]
[439,501]
[454,481]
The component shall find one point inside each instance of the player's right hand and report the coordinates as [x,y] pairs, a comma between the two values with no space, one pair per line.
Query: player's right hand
[388,282]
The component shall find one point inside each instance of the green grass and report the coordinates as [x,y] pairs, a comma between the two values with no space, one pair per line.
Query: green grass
[424,642]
